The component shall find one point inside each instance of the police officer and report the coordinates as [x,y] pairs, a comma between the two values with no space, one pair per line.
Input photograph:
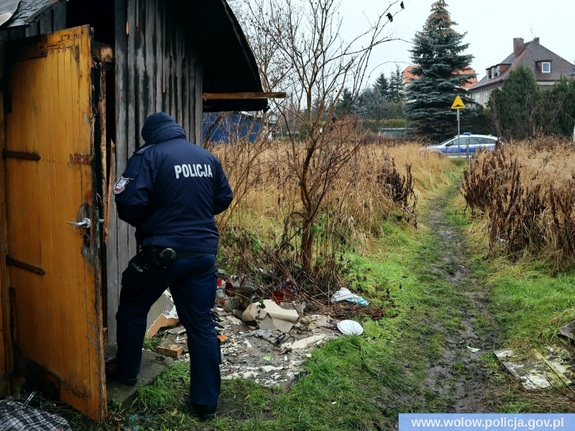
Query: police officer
[170,191]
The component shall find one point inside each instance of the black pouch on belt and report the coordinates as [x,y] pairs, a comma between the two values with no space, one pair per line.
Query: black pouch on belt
[150,256]
[166,256]
[158,256]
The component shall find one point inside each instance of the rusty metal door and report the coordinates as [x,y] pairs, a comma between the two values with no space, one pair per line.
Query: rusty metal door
[53,211]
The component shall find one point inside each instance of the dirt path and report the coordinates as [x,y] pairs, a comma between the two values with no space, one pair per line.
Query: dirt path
[461,374]
[459,378]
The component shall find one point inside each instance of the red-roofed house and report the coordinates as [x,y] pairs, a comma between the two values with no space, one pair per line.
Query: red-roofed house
[547,66]
[408,76]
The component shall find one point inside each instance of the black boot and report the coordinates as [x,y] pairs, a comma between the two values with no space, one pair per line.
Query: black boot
[113,372]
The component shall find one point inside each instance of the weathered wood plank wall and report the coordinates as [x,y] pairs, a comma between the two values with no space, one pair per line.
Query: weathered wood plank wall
[156,70]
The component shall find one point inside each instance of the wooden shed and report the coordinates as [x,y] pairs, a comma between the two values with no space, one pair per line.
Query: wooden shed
[77,80]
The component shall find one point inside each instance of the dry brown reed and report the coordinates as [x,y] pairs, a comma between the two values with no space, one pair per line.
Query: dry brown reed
[526,192]
[381,182]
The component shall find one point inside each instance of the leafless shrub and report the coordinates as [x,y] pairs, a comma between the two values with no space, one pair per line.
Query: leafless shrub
[400,189]
[262,231]
[562,228]
[526,193]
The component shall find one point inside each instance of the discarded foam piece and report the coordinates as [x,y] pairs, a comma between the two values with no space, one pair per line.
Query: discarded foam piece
[269,323]
[344,294]
[162,321]
[277,312]
[253,312]
[277,317]
[162,314]
[304,343]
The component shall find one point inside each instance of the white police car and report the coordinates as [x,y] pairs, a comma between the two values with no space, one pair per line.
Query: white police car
[465,145]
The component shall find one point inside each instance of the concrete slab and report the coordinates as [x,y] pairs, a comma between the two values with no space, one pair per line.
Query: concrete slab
[536,370]
[152,365]
[568,331]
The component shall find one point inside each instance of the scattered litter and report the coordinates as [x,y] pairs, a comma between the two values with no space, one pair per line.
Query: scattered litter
[254,312]
[344,294]
[264,340]
[162,314]
[473,349]
[263,353]
[278,312]
[178,330]
[350,327]
[305,343]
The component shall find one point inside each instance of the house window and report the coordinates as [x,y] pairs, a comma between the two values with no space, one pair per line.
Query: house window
[546,67]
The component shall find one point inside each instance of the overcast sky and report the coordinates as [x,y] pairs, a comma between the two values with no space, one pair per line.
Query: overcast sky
[490,25]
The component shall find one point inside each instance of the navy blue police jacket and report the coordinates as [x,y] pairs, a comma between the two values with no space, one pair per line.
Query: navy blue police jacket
[171,189]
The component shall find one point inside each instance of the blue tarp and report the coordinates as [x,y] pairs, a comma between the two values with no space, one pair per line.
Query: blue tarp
[231,126]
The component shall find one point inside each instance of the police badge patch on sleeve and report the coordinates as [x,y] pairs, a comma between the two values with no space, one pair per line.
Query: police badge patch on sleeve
[120,185]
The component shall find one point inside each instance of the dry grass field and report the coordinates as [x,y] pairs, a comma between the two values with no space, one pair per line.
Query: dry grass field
[444,310]
[262,229]
[526,192]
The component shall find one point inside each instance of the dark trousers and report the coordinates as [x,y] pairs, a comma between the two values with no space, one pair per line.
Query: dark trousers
[192,283]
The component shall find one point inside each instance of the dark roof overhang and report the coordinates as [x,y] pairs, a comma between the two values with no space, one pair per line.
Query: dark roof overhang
[7,9]
[229,65]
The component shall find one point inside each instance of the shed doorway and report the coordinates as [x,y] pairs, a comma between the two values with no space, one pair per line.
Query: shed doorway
[55,160]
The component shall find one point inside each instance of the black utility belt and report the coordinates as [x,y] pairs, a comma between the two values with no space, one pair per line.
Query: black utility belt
[164,256]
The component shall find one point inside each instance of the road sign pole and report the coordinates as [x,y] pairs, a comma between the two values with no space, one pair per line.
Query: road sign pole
[458,106]
[458,126]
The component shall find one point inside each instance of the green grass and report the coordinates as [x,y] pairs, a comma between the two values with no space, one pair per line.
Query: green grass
[363,382]
[533,305]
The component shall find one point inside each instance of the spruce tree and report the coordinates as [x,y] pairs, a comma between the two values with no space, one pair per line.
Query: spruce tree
[395,93]
[437,54]
[382,86]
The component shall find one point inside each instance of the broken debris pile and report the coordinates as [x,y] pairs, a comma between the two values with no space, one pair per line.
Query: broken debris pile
[264,340]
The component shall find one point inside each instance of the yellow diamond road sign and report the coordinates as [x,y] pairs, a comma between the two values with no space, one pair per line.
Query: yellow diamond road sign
[458,103]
